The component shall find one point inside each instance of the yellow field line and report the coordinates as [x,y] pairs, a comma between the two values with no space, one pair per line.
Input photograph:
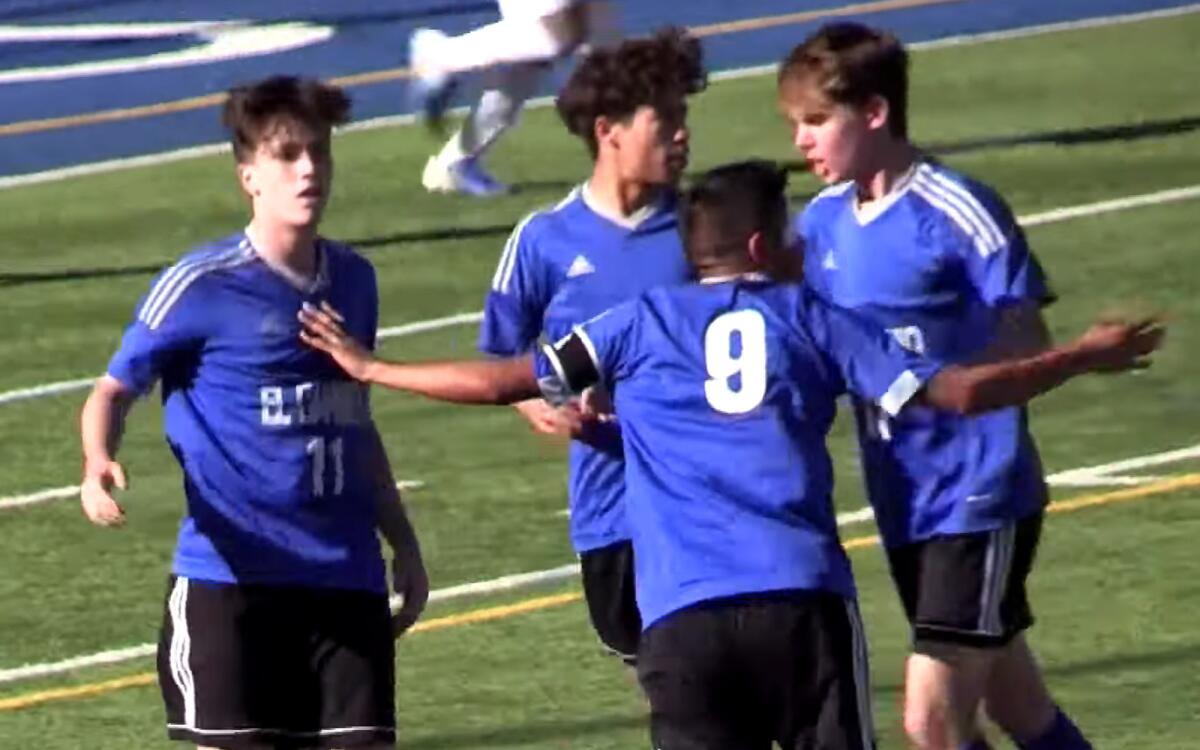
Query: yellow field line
[788,19]
[487,614]
[395,74]
[149,678]
[494,613]
[28,700]
[1170,484]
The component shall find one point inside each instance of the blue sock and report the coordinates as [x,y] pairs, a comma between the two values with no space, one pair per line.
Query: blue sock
[1062,735]
[979,744]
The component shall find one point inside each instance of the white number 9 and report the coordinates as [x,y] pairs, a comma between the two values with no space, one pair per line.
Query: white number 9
[750,364]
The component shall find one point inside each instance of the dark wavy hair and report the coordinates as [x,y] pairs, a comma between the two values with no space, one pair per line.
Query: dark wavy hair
[251,111]
[614,82]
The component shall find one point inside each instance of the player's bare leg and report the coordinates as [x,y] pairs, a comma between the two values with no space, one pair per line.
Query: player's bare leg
[942,693]
[439,60]
[1016,698]
[514,53]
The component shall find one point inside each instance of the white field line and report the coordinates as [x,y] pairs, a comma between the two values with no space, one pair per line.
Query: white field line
[965,40]
[67,386]
[1117,204]
[39,497]
[59,493]
[1051,216]
[112,165]
[1107,474]
[522,580]
[477,588]
[421,326]
[49,389]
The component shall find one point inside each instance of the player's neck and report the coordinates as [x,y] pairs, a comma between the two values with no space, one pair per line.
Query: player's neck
[724,271]
[285,247]
[618,197]
[891,169]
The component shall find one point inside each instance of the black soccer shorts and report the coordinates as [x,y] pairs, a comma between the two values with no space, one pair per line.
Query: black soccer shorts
[740,673]
[968,589]
[612,602]
[284,666]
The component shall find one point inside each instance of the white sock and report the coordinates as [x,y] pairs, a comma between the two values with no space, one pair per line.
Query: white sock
[496,110]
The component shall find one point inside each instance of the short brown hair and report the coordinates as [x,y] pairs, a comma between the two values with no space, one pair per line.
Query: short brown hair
[253,110]
[614,82]
[848,63]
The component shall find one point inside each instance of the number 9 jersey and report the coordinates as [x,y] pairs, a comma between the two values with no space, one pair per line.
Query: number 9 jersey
[273,438]
[725,393]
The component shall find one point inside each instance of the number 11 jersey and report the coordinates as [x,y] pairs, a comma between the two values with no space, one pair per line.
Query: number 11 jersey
[276,443]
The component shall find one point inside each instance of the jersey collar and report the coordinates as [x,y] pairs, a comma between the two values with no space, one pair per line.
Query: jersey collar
[632,222]
[754,276]
[299,282]
[876,208]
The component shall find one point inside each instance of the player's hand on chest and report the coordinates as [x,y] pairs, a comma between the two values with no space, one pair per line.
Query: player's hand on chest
[257,331]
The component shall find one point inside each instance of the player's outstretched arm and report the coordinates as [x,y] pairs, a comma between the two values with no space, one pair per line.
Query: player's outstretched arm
[500,381]
[101,424]
[1108,346]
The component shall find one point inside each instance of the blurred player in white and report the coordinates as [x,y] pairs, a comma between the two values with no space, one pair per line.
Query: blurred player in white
[512,55]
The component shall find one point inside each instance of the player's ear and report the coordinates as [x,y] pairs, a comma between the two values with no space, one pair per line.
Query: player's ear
[247,178]
[758,250]
[876,111]
[603,128]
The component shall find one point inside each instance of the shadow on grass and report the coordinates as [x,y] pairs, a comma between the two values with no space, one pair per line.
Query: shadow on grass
[1112,663]
[567,730]
[1153,129]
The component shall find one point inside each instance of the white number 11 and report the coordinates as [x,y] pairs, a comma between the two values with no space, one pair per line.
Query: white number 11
[750,364]
[317,449]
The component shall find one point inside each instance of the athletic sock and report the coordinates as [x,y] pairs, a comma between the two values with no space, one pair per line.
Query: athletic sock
[1062,734]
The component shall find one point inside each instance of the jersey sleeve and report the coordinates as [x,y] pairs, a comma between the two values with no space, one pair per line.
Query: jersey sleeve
[869,361]
[803,240]
[517,299]
[997,261]
[167,325]
[597,352]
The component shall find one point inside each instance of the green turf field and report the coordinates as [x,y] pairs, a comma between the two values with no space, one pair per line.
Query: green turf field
[1116,589]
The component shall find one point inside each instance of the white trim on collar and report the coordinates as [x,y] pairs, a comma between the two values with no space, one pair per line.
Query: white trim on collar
[748,276]
[632,221]
[302,283]
[871,211]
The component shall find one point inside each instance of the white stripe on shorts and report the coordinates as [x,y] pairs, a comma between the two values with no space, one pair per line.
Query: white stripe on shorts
[181,650]
[277,732]
[862,675]
[997,566]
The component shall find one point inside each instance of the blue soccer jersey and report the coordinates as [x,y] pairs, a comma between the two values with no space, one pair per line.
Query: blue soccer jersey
[725,393]
[271,435]
[560,268]
[934,262]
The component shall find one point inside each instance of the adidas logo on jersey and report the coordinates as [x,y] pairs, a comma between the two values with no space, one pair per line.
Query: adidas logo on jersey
[830,262]
[580,267]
